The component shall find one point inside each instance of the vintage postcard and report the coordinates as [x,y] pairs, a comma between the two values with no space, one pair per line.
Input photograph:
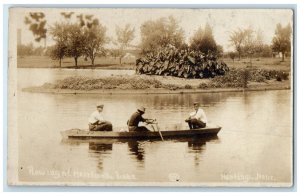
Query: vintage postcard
[150,97]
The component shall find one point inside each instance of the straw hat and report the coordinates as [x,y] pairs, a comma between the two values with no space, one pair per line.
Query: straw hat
[141,109]
[100,105]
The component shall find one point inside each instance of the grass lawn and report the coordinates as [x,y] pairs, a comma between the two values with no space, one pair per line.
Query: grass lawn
[261,63]
[100,62]
[113,63]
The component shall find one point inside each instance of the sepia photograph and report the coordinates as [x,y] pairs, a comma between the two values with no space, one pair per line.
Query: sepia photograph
[181,97]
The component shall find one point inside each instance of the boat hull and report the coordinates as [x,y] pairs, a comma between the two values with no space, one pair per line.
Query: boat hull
[85,134]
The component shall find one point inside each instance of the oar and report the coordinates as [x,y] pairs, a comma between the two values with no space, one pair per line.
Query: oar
[153,128]
[153,121]
[159,131]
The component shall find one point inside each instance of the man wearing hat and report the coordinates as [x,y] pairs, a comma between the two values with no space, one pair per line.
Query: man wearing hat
[97,122]
[133,122]
[197,119]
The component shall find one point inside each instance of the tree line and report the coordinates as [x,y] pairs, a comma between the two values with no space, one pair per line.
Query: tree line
[86,36]
[248,42]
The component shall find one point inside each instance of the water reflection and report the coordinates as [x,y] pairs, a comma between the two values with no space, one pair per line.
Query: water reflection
[196,146]
[104,148]
[100,149]
[137,149]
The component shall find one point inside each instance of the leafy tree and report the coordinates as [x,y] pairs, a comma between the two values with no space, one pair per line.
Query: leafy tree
[115,53]
[266,51]
[67,15]
[248,46]
[59,32]
[29,50]
[247,41]
[85,37]
[259,44]
[124,38]
[204,41]
[95,39]
[219,51]
[161,33]
[87,20]
[39,51]
[76,41]
[37,25]
[237,38]
[253,43]
[232,55]
[282,39]
[25,50]
[95,36]
[58,52]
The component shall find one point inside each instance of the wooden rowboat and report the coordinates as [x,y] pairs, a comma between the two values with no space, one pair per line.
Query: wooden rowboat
[166,133]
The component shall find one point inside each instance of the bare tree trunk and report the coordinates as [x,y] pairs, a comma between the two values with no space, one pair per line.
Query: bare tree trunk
[120,60]
[60,62]
[76,61]
[93,61]
[282,55]
[45,42]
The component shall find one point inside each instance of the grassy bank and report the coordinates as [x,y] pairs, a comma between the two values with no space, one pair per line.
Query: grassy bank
[100,62]
[236,78]
[260,63]
[113,63]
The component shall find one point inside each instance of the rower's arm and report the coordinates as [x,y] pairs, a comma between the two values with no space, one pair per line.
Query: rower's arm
[148,120]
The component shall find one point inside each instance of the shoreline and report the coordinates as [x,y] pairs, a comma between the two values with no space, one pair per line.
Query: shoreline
[145,84]
[155,91]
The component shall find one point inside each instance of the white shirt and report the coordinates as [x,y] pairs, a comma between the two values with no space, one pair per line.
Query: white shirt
[95,116]
[199,115]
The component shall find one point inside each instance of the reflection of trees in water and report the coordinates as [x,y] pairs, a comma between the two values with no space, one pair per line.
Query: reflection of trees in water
[198,145]
[105,147]
[196,148]
[100,149]
[161,101]
[137,149]
[157,101]
[174,108]
[175,101]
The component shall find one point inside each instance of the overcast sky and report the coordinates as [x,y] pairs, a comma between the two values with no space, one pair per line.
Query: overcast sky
[223,21]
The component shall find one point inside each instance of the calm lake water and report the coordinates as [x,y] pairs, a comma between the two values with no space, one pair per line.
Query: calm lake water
[253,146]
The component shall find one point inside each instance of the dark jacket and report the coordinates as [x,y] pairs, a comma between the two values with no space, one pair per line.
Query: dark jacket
[135,119]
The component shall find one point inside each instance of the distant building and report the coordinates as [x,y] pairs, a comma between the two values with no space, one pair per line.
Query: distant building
[129,58]
[278,55]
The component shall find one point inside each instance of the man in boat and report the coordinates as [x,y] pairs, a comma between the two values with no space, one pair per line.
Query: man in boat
[97,122]
[197,119]
[136,118]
